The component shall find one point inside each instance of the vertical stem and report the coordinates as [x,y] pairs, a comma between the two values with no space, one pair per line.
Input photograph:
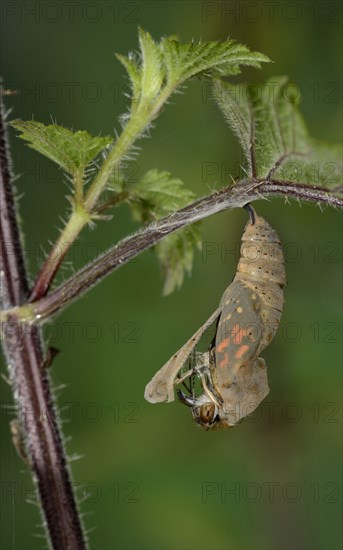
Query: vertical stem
[75,224]
[24,354]
[13,279]
[84,207]
[131,132]
[82,212]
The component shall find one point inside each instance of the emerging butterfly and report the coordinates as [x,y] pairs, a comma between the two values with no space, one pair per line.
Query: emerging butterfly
[232,374]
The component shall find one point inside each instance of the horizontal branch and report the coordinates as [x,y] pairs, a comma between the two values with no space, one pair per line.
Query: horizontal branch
[307,193]
[233,197]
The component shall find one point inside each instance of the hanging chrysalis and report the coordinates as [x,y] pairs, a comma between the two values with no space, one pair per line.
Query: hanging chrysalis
[232,374]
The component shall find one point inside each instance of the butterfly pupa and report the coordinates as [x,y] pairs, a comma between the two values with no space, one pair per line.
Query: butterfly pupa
[233,375]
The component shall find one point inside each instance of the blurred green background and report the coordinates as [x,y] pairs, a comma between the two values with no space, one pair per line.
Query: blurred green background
[148,478]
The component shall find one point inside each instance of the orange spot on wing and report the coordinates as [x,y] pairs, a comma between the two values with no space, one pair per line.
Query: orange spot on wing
[238,333]
[241,351]
[224,362]
[224,344]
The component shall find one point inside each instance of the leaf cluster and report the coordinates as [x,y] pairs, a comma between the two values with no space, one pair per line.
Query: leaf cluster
[265,118]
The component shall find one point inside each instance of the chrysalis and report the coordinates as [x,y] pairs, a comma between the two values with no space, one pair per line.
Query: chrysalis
[233,376]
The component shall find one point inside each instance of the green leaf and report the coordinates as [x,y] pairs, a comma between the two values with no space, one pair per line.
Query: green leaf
[156,195]
[273,134]
[183,61]
[73,151]
[133,71]
[166,65]
[176,253]
[152,72]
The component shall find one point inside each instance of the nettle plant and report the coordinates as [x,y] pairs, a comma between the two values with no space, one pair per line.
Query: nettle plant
[280,160]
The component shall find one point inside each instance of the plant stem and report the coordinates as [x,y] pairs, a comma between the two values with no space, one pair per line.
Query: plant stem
[112,201]
[14,283]
[234,197]
[78,183]
[140,119]
[145,113]
[24,354]
[82,213]
[75,224]
[131,132]
[38,422]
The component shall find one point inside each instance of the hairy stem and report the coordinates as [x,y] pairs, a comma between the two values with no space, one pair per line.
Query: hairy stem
[145,113]
[84,209]
[24,353]
[236,196]
[13,279]
[75,224]
[122,145]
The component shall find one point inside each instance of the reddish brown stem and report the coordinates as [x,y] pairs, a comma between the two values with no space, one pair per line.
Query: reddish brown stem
[24,354]
[237,196]
[45,277]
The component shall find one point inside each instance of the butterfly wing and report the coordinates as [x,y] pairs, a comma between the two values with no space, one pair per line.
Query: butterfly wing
[239,329]
[161,387]
[240,376]
[245,394]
